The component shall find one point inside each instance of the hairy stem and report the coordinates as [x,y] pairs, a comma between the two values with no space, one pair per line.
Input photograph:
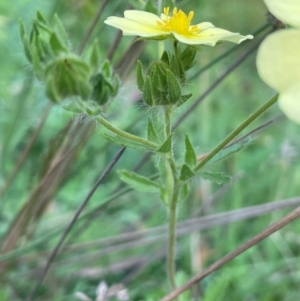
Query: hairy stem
[172,237]
[124,134]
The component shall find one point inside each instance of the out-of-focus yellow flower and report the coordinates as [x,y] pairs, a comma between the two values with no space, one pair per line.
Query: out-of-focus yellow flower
[148,25]
[278,58]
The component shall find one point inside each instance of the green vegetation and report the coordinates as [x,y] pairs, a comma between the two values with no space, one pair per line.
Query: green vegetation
[51,157]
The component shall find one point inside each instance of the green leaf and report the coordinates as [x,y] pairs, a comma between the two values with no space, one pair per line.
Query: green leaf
[186,173]
[190,155]
[184,191]
[138,182]
[164,195]
[166,146]
[140,76]
[124,142]
[147,92]
[151,133]
[228,151]
[169,3]
[149,7]
[217,177]
[174,89]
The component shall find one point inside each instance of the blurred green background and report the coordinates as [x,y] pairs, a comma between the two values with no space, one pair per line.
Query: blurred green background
[264,172]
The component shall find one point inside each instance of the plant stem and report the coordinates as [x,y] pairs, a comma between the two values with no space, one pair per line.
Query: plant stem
[233,134]
[172,190]
[172,237]
[124,134]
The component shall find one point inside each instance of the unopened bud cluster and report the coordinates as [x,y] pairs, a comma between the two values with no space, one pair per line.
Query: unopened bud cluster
[165,79]
[65,73]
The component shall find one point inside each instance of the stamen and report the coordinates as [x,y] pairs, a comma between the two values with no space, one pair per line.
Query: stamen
[179,22]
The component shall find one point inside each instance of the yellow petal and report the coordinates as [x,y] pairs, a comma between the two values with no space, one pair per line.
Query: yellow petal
[289,102]
[287,11]
[130,27]
[205,25]
[142,17]
[278,59]
[210,36]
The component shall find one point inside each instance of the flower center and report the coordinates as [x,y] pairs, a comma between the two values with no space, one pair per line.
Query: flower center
[179,22]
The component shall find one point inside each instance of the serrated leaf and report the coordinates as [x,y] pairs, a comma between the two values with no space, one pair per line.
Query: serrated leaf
[166,146]
[190,157]
[123,142]
[217,177]
[138,182]
[186,173]
[140,76]
[151,133]
[226,152]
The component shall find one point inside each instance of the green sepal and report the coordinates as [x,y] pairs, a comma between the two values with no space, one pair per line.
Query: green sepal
[60,29]
[186,173]
[165,58]
[147,92]
[140,76]
[158,38]
[51,90]
[187,58]
[176,67]
[25,41]
[174,89]
[166,146]
[217,177]
[56,44]
[138,182]
[190,157]
[151,133]
[75,107]
[36,63]
[183,99]
[41,18]
[116,139]
[95,56]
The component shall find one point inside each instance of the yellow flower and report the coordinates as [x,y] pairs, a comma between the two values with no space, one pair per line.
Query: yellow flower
[148,25]
[278,58]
